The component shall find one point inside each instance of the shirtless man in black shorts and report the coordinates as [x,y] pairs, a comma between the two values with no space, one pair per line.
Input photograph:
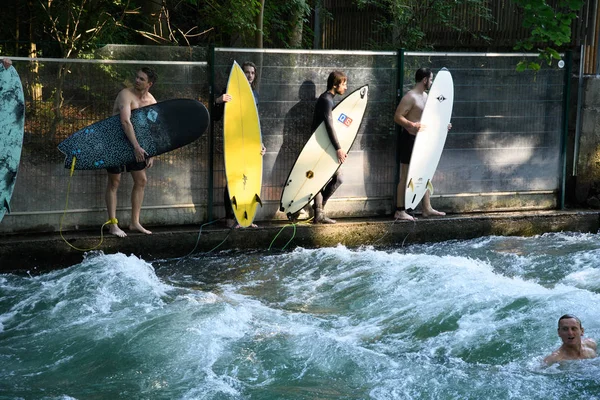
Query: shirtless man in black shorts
[408,116]
[127,100]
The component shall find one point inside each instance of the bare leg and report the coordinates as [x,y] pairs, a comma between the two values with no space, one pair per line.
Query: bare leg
[428,211]
[400,192]
[111,203]
[137,198]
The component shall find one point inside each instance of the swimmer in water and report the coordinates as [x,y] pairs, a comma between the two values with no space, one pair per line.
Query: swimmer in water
[574,346]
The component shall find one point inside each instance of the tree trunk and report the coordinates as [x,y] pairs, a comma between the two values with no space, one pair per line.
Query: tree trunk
[35,86]
[258,38]
[58,100]
[298,25]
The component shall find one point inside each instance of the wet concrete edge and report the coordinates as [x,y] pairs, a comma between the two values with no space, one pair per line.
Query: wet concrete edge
[40,252]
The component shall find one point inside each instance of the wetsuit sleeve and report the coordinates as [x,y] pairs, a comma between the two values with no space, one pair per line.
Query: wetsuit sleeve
[218,109]
[328,120]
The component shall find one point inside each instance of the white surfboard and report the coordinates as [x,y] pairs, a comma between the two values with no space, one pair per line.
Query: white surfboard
[430,139]
[318,160]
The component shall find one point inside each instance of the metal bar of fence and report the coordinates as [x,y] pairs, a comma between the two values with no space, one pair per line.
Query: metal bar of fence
[99,61]
[565,127]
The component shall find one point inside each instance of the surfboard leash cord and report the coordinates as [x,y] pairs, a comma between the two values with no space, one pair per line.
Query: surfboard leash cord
[293,224]
[110,221]
[200,233]
[390,228]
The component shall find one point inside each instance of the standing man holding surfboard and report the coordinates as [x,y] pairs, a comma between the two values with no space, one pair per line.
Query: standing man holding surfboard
[337,83]
[127,100]
[408,116]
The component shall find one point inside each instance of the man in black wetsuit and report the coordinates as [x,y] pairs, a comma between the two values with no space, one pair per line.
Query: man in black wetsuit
[336,84]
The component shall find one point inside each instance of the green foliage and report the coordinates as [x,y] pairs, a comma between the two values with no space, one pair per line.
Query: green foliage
[232,22]
[403,21]
[281,22]
[550,27]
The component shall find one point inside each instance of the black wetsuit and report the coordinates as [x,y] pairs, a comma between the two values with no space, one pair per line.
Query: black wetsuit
[323,113]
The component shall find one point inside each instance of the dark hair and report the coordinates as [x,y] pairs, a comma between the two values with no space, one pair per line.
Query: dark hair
[569,316]
[422,73]
[335,78]
[251,64]
[152,76]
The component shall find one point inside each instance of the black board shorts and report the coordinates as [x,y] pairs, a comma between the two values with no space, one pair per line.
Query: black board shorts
[134,166]
[406,143]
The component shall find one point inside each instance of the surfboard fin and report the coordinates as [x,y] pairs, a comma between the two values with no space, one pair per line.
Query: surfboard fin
[257,199]
[430,186]
[234,202]
[245,214]
[410,185]
[7,206]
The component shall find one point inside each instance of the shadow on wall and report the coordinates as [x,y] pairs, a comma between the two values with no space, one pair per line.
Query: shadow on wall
[296,132]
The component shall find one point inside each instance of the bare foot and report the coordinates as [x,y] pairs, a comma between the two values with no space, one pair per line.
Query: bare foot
[114,229]
[253,226]
[433,213]
[138,227]
[403,215]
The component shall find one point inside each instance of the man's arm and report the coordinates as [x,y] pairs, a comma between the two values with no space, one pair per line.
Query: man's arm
[406,104]
[328,120]
[552,358]
[124,106]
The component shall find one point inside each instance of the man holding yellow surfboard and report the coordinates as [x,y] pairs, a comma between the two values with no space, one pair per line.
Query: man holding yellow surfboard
[237,167]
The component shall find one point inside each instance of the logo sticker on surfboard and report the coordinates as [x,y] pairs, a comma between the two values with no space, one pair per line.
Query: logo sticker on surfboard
[152,115]
[344,119]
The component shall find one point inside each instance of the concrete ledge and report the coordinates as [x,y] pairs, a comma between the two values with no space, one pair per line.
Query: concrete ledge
[35,253]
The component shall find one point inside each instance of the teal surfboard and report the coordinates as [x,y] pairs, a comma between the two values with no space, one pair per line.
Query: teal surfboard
[159,128]
[12,120]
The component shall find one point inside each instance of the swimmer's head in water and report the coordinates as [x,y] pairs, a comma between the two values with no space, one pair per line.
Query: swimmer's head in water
[569,316]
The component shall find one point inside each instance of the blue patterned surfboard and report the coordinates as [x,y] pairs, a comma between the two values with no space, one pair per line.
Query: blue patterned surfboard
[159,128]
[12,120]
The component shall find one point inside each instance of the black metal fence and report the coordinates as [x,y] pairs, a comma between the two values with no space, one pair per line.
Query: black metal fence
[504,151]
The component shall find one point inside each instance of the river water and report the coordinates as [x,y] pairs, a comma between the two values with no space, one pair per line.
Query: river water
[454,320]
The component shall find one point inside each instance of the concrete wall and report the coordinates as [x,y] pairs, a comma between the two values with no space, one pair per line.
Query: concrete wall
[588,163]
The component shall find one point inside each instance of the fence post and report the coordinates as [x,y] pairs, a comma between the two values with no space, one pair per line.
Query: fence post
[399,86]
[211,130]
[565,125]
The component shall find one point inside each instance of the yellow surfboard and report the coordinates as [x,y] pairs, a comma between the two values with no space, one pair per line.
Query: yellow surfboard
[242,146]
